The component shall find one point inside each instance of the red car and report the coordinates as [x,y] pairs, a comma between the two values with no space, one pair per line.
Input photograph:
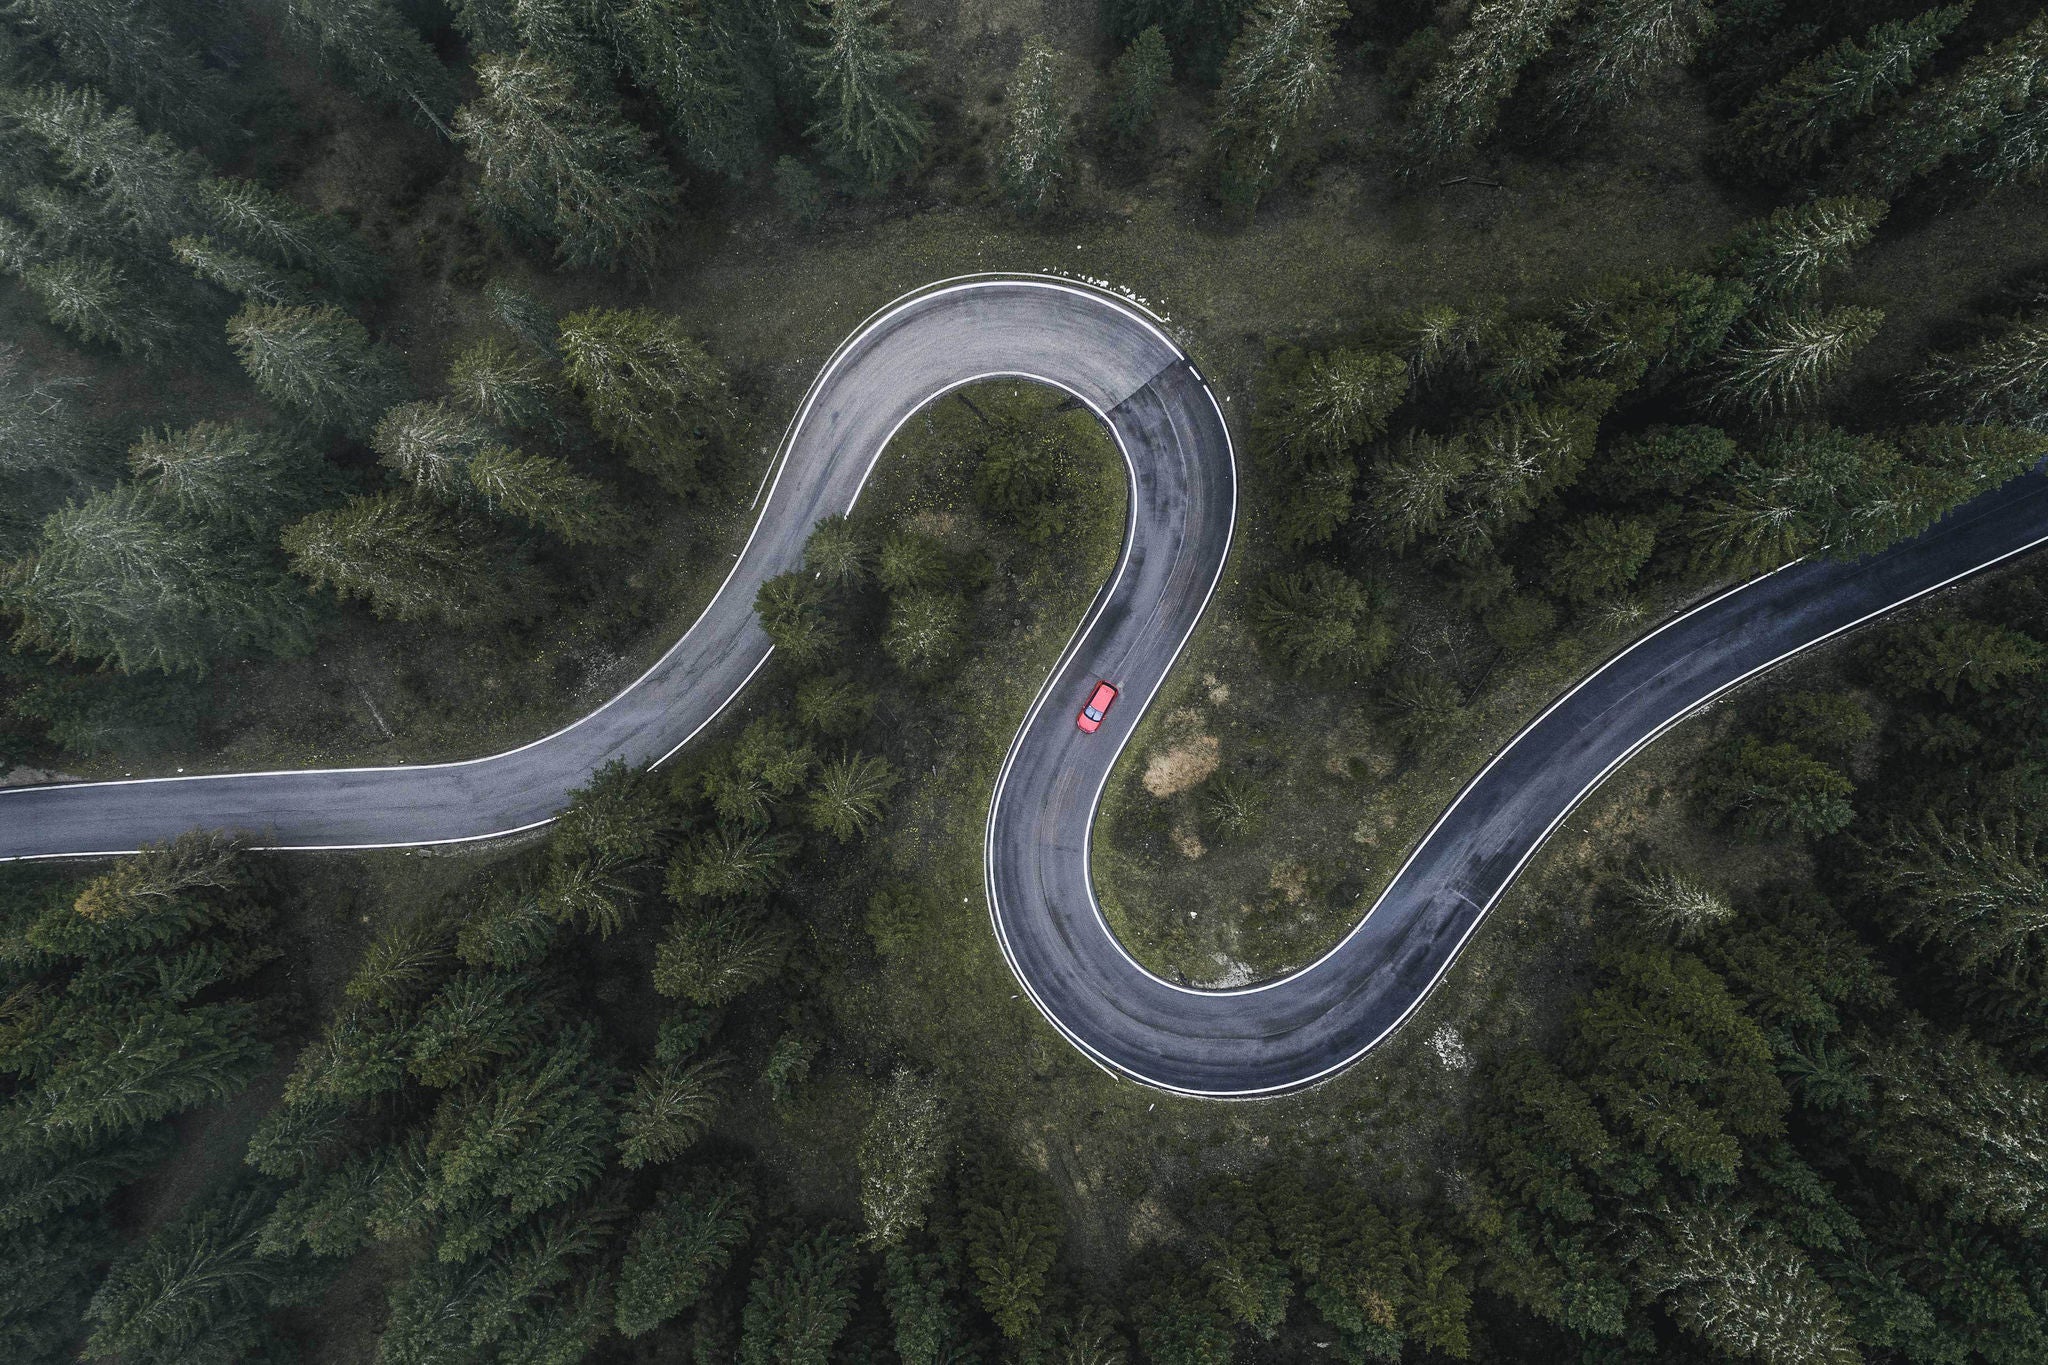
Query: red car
[1097,707]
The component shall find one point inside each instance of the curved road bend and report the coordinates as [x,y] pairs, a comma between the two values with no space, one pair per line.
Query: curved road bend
[1259,1040]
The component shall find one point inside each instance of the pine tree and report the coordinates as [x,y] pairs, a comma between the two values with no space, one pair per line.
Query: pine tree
[195,1284]
[543,491]
[1790,358]
[1675,1064]
[1011,1226]
[473,1022]
[2003,378]
[716,953]
[651,391]
[1177,1323]
[925,634]
[1247,1276]
[622,814]
[1947,656]
[1138,80]
[276,229]
[851,796]
[1458,104]
[515,391]
[99,302]
[1673,903]
[1596,555]
[1784,257]
[866,125]
[118,577]
[724,865]
[1949,116]
[1276,87]
[1199,32]
[1616,50]
[921,1290]
[911,561]
[527,318]
[1958,1127]
[538,1132]
[1973,883]
[671,1106]
[833,704]
[788,1065]
[1792,122]
[1321,620]
[792,608]
[799,1303]
[228,473]
[319,362]
[1740,1286]
[1035,164]
[902,1157]
[1319,502]
[410,561]
[375,52]
[145,183]
[1330,404]
[678,1248]
[429,444]
[243,276]
[556,163]
[1411,487]
[701,64]
[838,552]
[1772,789]
[144,58]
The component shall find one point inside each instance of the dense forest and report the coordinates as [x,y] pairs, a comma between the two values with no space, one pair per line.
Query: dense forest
[372,391]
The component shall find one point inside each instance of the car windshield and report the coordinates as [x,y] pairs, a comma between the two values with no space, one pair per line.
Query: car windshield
[1093,714]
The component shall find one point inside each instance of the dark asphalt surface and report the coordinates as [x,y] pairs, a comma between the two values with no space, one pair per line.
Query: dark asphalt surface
[1264,1039]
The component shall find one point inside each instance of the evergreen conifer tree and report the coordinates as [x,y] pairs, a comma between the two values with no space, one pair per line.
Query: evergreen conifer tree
[902,1157]
[800,1302]
[409,561]
[557,163]
[319,362]
[679,1247]
[1035,167]
[1792,122]
[651,391]
[121,577]
[866,124]
[375,52]
[1457,106]
[1276,87]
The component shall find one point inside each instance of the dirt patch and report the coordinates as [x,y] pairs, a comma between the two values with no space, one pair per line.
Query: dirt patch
[1188,842]
[1182,766]
[1291,881]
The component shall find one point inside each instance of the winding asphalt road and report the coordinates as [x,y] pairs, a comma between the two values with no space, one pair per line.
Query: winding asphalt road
[1260,1040]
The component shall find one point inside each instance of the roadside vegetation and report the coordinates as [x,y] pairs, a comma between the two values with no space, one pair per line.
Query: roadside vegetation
[391,382]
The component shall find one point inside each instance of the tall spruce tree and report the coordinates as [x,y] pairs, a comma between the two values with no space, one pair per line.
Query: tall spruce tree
[1036,156]
[1951,116]
[375,52]
[558,163]
[1614,52]
[866,124]
[800,1302]
[650,390]
[410,561]
[122,577]
[318,362]
[1791,123]
[1276,88]
[1458,104]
